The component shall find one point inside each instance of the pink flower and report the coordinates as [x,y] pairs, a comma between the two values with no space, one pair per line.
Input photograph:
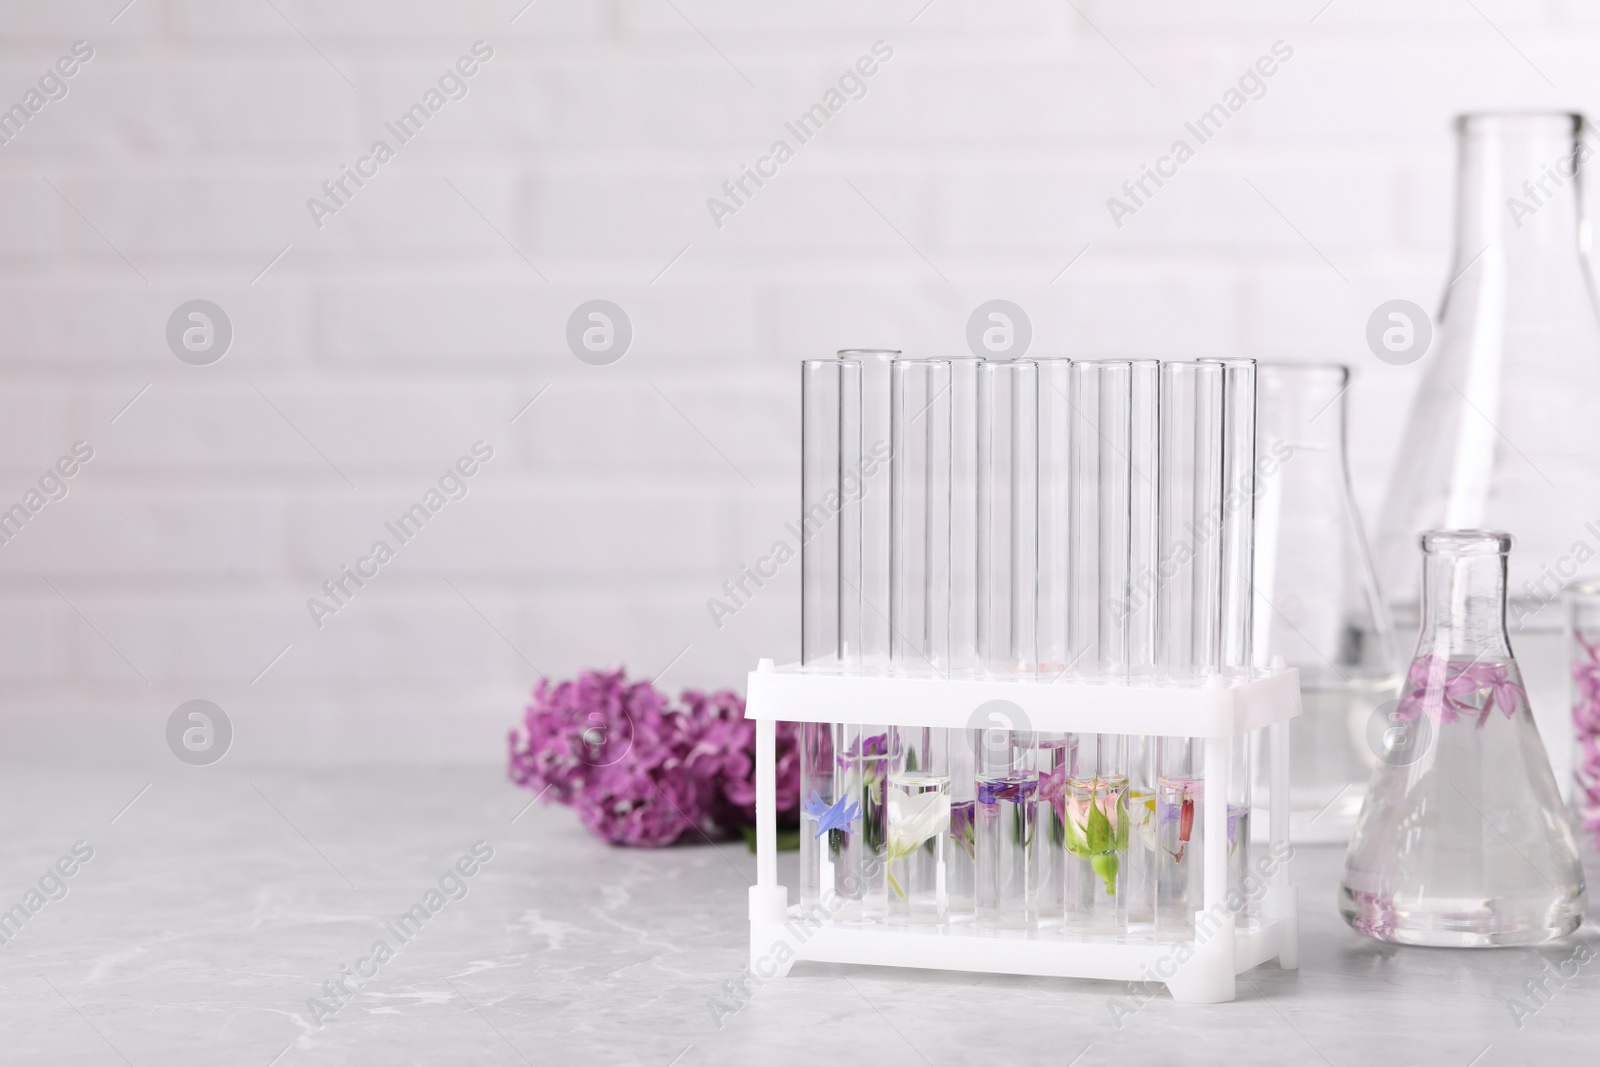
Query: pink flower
[1503,691]
[1586,727]
[640,771]
[1375,914]
[1053,788]
[1444,690]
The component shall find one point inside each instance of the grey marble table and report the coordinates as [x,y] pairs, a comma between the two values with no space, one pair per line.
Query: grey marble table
[221,909]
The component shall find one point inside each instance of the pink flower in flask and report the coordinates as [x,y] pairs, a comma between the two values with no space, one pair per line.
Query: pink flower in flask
[1461,840]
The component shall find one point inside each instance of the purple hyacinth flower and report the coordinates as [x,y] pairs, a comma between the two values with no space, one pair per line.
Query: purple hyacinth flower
[1015,790]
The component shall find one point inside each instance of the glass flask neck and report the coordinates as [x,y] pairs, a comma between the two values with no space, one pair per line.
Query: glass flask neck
[1303,407]
[1464,595]
[1517,183]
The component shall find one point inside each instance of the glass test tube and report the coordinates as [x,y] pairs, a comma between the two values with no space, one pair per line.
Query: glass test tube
[964,516]
[1052,750]
[876,448]
[866,747]
[830,445]
[1008,500]
[919,825]
[1188,604]
[1056,426]
[961,869]
[1238,512]
[918,798]
[1237,590]
[1097,782]
[1007,786]
[1143,554]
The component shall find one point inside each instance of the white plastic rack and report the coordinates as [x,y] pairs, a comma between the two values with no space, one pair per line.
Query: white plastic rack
[1201,970]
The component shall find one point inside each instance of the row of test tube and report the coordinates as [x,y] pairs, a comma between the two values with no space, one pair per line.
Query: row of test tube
[1045,520]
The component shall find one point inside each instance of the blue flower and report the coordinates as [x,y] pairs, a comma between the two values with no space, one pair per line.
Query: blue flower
[839,816]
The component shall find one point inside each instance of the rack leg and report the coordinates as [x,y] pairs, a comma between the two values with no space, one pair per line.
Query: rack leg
[1208,978]
[769,901]
[766,803]
[1278,821]
[1283,903]
[1216,819]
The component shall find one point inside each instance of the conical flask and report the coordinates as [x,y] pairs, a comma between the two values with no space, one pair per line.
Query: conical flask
[1501,433]
[1317,600]
[1462,840]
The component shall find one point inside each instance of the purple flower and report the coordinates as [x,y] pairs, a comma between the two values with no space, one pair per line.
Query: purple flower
[1237,814]
[962,828]
[873,752]
[724,754]
[1053,788]
[872,749]
[640,771]
[1016,790]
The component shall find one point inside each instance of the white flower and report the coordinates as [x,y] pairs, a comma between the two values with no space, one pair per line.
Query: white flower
[915,819]
[1142,810]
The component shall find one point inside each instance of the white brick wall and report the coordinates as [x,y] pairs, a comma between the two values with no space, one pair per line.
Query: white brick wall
[410,324]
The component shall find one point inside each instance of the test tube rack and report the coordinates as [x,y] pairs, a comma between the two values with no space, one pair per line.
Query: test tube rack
[1214,710]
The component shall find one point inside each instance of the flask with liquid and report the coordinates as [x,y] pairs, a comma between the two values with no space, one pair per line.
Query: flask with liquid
[1462,840]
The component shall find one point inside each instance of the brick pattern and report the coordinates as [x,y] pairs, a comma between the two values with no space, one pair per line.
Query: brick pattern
[426,313]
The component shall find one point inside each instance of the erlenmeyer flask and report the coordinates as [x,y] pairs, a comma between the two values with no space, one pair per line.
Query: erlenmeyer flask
[1462,840]
[1317,599]
[1501,434]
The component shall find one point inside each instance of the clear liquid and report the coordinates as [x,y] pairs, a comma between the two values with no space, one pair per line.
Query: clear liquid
[918,831]
[843,852]
[1097,843]
[1005,818]
[1466,843]
[811,859]
[819,864]
[1141,857]
[874,861]
[1180,855]
[816,781]
[830,858]
[1239,863]
[1050,851]
[961,860]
